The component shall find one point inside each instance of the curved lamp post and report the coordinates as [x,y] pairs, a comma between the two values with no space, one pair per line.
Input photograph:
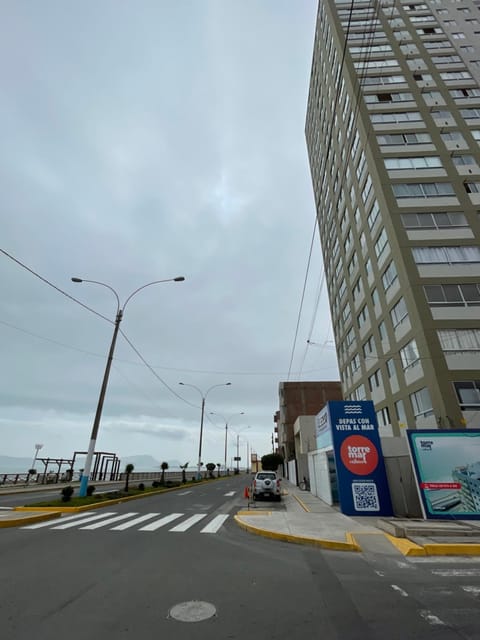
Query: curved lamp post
[227,420]
[98,414]
[203,396]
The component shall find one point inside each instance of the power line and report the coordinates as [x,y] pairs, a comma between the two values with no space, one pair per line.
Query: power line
[50,284]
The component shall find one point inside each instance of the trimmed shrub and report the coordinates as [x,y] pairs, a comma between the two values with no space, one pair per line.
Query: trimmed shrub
[67,493]
[141,487]
[90,489]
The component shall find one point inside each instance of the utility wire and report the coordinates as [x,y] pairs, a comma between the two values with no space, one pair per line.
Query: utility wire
[50,284]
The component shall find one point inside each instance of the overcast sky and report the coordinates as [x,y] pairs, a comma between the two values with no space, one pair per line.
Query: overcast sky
[142,141]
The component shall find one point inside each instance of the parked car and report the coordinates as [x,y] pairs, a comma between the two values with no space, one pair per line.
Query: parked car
[266,484]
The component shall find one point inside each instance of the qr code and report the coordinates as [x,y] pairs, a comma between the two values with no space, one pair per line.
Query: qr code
[365,496]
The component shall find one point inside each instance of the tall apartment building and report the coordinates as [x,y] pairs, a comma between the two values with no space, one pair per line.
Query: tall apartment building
[393,136]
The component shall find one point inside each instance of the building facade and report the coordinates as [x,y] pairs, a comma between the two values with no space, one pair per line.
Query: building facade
[300,399]
[393,137]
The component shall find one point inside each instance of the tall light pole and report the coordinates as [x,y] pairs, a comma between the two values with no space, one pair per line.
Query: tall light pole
[227,420]
[238,447]
[203,396]
[37,449]
[98,414]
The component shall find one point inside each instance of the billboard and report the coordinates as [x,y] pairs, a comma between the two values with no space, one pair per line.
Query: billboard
[361,477]
[447,469]
[323,431]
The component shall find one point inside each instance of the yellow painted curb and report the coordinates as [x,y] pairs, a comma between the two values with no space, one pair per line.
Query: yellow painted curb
[301,503]
[405,546]
[285,537]
[457,549]
[246,512]
[32,519]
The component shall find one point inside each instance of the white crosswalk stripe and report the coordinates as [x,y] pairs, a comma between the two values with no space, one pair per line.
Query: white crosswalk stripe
[69,525]
[180,528]
[153,521]
[215,524]
[105,523]
[230,493]
[153,526]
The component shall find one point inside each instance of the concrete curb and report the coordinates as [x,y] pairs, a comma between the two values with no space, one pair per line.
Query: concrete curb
[30,520]
[405,546]
[336,545]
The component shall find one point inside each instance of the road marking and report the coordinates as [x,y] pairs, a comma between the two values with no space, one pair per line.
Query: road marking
[403,565]
[84,521]
[189,522]
[49,523]
[400,590]
[473,590]
[380,573]
[153,526]
[230,493]
[430,618]
[459,573]
[184,493]
[444,560]
[215,524]
[105,523]
[132,523]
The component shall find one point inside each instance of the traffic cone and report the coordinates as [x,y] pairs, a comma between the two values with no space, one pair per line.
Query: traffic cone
[246,493]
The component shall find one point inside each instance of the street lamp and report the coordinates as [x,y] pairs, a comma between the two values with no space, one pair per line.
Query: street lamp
[242,413]
[238,447]
[204,396]
[96,423]
[37,449]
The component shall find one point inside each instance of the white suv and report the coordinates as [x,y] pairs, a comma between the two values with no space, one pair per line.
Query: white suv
[266,484]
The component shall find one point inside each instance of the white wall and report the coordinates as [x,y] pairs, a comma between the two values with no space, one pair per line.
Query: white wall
[319,476]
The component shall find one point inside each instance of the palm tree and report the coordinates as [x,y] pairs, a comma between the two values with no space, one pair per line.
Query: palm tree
[184,472]
[163,467]
[128,470]
[218,467]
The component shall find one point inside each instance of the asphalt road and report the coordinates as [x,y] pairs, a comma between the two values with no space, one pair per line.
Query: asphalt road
[125,575]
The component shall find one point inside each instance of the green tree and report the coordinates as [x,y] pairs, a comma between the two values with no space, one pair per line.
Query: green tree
[218,467]
[210,468]
[271,461]
[128,470]
[31,472]
[163,467]
[183,467]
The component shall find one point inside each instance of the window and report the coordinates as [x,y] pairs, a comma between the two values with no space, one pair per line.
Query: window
[459,340]
[404,138]
[463,160]
[446,59]
[391,371]
[373,215]
[456,75]
[357,290]
[375,298]
[423,189]
[399,313]
[375,380]
[395,118]
[363,65]
[362,317]
[400,411]
[453,295]
[421,403]
[468,48]
[458,35]
[371,80]
[439,220]
[389,276]
[468,394]
[350,338]
[359,393]
[438,44]
[452,136]
[472,187]
[368,267]
[366,189]
[355,364]
[409,355]
[381,242]
[470,92]
[470,114]
[369,348]
[415,162]
[352,265]
[383,417]
[388,97]
[382,330]
[446,255]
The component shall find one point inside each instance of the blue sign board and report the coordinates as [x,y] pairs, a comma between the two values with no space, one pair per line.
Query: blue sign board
[362,480]
[447,469]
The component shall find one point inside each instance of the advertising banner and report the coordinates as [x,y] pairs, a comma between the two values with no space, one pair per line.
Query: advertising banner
[323,430]
[447,470]
[362,480]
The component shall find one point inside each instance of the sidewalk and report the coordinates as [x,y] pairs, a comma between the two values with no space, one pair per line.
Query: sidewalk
[302,518]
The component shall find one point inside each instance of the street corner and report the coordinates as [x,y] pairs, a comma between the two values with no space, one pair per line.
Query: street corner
[275,531]
[13,518]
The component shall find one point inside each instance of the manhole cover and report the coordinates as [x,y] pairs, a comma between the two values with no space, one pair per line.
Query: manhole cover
[192,611]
